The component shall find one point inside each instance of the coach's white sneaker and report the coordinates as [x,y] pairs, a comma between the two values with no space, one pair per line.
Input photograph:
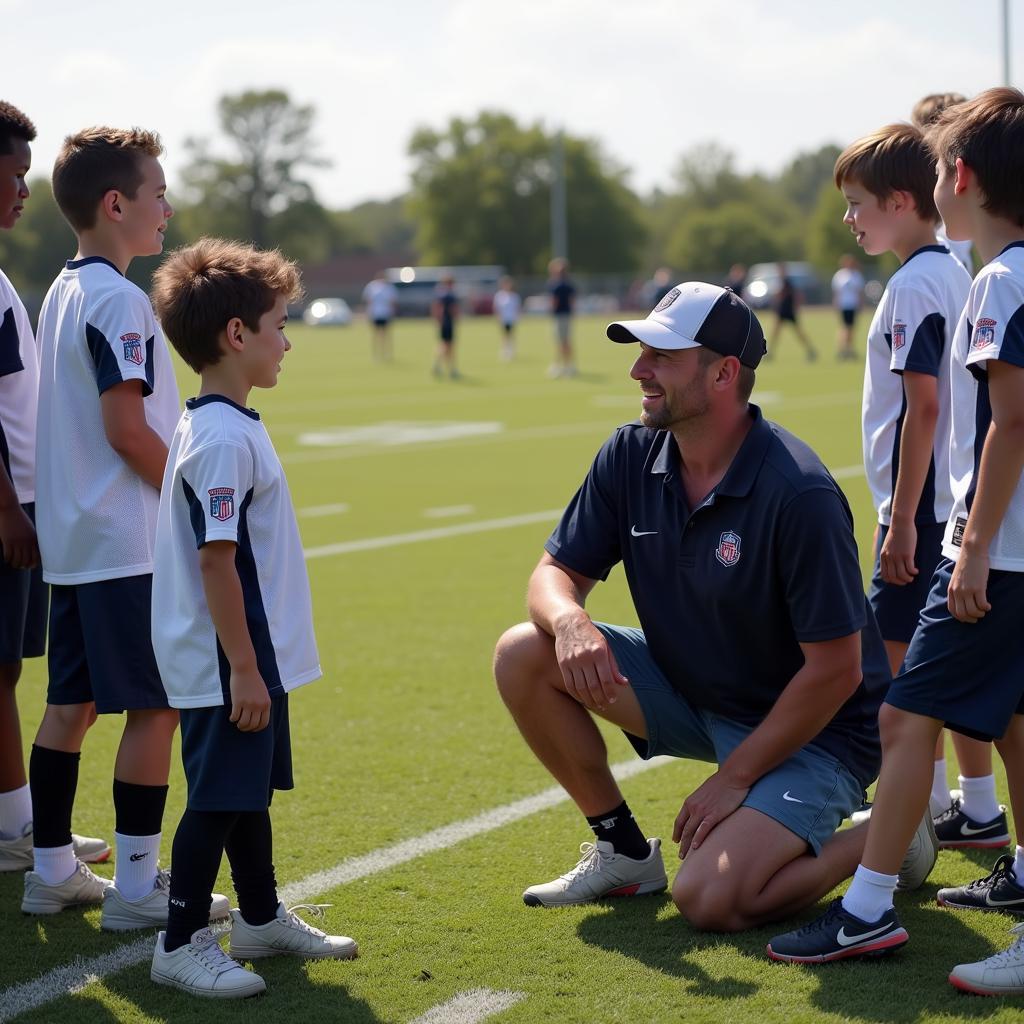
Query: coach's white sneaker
[202,968]
[921,855]
[16,853]
[83,887]
[601,872]
[121,915]
[288,935]
[1002,974]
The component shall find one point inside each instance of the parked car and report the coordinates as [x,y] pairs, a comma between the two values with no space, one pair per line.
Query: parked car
[327,313]
[763,283]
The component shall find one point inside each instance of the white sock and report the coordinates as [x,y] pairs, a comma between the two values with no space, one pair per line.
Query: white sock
[55,864]
[870,894]
[15,812]
[940,788]
[979,800]
[1018,865]
[136,864]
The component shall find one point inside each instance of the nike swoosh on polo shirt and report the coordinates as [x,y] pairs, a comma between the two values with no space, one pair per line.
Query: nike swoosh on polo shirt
[642,533]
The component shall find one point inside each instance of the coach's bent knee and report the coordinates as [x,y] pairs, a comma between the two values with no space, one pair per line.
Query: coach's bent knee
[522,657]
[709,905]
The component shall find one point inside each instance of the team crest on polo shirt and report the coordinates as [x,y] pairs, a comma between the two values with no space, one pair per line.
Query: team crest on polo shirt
[984,333]
[899,336]
[728,550]
[222,502]
[132,348]
[667,300]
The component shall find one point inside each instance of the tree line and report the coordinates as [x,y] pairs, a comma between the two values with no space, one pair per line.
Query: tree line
[480,193]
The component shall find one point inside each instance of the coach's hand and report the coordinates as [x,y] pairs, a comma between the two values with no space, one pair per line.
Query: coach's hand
[711,802]
[896,559]
[250,701]
[586,662]
[18,539]
[966,597]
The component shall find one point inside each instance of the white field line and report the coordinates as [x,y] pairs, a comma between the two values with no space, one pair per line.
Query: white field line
[324,510]
[448,511]
[471,1007]
[75,976]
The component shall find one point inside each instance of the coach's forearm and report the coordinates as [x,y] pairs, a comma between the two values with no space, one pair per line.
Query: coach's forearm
[555,595]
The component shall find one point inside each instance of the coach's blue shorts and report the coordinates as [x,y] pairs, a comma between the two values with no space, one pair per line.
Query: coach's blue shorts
[23,600]
[897,609]
[810,793]
[969,675]
[230,770]
[101,648]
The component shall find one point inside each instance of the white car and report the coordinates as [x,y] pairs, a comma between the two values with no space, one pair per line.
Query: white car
[327,313]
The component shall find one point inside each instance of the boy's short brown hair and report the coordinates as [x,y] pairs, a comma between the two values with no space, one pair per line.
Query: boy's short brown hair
[13,125]
[200,287]
[928,108]
[94,161]
[987,133]
[896,158]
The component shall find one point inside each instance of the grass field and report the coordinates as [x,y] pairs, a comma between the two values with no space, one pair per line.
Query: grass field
[423,506]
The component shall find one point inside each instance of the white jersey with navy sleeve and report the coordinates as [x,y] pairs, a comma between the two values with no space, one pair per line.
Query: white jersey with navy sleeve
[507,306]
[911,331]
[992,328]
[19,391]
[380,298]
[96,517]
[224,481]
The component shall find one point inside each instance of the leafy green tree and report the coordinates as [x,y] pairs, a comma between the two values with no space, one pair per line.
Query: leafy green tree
[803,178]
[482,189]
[735,232]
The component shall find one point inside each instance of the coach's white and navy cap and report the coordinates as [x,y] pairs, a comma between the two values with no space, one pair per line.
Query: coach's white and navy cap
[695,315]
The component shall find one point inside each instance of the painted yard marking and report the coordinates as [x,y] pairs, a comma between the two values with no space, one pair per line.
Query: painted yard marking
[470,1007]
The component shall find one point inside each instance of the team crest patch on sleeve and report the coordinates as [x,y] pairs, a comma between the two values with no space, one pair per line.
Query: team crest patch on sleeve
[133,348]
[984,333]
[899,336]
[728,550]
[222,502]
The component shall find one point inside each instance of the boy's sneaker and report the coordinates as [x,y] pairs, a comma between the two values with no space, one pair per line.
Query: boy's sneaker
[837,935]
[997,891]
[202,968]
[288,935]
[16,854]
[958,832]
[921,856]
[601,872]
[83,887]
[1002,974]
[121,915]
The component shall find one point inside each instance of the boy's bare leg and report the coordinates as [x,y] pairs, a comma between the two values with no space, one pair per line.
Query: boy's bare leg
[12,760]
[144,756]
[1011,750]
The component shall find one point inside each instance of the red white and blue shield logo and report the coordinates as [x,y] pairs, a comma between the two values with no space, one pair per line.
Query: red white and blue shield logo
[133,348]
[984,333]
[222,503]
[899,336]
[728,550]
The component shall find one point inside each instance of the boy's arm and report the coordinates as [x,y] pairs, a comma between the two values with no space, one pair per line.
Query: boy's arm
[916,443]
[18,545]
[999,472]
[124,423]
[250,700]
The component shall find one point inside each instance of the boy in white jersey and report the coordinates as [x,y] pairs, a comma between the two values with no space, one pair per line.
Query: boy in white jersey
[507,305]
[381,299]
[23,594]
[232,619]
[107,407]
[965,665]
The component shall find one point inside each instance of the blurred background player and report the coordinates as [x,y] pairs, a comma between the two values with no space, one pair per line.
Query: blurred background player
[23,594]
[445,311]
[563,299]
[381,298]
[786,303]
[847,293]
[737,278]
[507,305]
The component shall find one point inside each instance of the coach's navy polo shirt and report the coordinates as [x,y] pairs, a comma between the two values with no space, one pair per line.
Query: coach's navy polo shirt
[726,593]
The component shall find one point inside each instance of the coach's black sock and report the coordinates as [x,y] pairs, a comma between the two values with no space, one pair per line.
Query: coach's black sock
[196,853]
[53,779]
[138,810]
[618,828]
[250,850]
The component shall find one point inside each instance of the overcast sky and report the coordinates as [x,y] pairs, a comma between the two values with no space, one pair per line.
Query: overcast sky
[647,78]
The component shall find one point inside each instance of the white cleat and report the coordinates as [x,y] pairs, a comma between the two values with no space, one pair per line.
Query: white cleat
[16,854]
[80,889]
[1002,974]
[121,915]
[202,968]
[288,935]
[601,872]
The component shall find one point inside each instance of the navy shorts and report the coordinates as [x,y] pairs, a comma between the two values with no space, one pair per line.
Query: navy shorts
[230,770]
[101,648]
[447,331]
[969,675]
[897,609]
[23,601]
[381,321]
[847,316]
[810,793]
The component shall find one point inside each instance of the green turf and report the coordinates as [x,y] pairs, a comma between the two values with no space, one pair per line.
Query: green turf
[405,732]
